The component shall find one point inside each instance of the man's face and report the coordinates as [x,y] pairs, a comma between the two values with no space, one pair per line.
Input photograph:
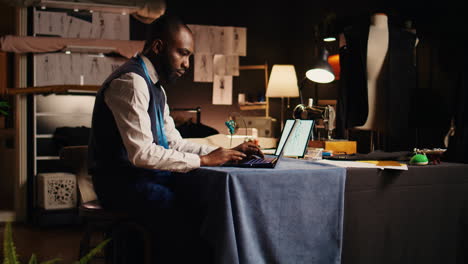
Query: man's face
[174,57]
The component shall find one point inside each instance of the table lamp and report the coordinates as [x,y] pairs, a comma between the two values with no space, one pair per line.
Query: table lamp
[282,83]
[321,72]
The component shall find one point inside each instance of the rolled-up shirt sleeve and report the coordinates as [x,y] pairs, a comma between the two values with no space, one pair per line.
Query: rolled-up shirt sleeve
[128,99]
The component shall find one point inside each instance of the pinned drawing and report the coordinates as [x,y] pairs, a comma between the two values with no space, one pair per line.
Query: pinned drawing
[232,65]
[240,41]
[225,43]
[222,90]
[217,34]
[203,67]
[219,65]
[111,26]
[47,67]
[49,23]
[235,42]
[226,65]
[79,28]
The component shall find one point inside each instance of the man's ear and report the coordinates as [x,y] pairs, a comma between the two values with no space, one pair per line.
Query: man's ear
[157,46]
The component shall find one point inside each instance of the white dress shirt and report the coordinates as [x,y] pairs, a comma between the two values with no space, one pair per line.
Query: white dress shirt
[128,99]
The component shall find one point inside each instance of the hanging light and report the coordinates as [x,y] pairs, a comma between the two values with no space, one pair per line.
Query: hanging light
[321,72]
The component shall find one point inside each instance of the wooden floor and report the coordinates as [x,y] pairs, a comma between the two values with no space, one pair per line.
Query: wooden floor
[46,243]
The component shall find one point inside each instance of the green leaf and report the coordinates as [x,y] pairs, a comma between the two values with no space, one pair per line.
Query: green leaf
[33,259]
[4,104]
[52,261]
[9,250]
[93,252]
[3,112]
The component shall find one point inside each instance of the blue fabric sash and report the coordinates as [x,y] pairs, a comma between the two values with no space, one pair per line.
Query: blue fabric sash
[161,136]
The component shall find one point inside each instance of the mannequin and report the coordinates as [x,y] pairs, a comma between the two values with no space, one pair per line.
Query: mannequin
[377,77]
[377,47]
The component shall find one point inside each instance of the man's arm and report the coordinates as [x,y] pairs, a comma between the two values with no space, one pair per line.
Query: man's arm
[128,99]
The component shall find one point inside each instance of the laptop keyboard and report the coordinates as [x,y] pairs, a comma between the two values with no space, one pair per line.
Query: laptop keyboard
[252,161]
[259,160]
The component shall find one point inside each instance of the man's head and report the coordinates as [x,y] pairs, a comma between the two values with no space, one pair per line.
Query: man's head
[169,45]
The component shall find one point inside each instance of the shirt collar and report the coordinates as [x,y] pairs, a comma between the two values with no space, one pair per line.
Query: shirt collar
[151,70]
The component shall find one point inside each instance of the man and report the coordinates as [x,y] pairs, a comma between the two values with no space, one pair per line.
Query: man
[134,145]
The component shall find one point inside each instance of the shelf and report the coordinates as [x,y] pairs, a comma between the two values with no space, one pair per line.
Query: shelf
[62,114]
[253,106]
[45,136]
[47,158]
[65,88]
[26,44]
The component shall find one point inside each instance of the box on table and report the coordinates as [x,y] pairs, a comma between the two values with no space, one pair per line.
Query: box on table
[56,190]
[337,146]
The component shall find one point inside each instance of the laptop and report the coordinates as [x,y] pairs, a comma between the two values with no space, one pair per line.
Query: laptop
[293,142]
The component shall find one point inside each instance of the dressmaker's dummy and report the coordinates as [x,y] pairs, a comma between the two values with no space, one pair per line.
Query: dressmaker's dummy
[377,76]
[377,47]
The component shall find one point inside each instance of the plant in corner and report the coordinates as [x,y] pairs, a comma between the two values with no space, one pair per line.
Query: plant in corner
[10,256]
[4,106]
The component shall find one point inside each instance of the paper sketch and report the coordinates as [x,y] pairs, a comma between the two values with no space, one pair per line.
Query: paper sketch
[49,23]
[65,66]
[228,41]
[219,65]
[86,29]
[71,68]
[78,28]
[47,69]
[97,69]
[93,70]
[203,67]
[73,28]
[226,65]
[217,34]
[204,40]
[240,41]
[232,65]
[98,25]
[235,41]
[222,90]
[111,26]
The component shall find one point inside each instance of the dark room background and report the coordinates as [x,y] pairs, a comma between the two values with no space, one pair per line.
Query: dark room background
[287,32]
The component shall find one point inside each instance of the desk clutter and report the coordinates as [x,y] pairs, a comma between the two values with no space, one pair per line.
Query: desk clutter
[379,159]
[335,146]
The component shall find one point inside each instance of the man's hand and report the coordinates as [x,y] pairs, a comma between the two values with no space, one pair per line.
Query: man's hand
[249,148]
[220,156]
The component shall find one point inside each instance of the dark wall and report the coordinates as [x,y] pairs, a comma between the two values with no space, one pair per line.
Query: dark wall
[276,34]
[283,33]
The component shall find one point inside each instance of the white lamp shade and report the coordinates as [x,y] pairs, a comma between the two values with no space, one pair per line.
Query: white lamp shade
[283,82]
[320,75]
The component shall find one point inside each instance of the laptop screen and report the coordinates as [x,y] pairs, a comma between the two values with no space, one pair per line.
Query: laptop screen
[284,135]
[298,140]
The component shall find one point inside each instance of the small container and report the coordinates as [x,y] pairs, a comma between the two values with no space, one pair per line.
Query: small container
[313,154]
[241,98]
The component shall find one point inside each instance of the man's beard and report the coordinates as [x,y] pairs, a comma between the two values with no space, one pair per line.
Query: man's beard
[165,71]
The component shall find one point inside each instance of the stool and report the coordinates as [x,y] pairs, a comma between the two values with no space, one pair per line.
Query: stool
[114,225]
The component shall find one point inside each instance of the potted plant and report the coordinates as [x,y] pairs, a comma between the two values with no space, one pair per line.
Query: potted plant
[4,107]
[11,257]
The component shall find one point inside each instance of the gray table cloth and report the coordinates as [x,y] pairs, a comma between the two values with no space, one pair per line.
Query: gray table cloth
[290,214]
